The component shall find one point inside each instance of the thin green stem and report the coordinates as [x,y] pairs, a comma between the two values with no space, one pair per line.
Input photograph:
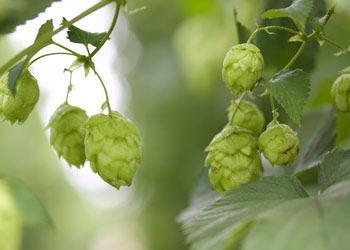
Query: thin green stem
[105,90]
[238,104]
[296,56]
[70,86]
[45,38]
[114,21]
[67,49]
[336,44]
[271,27]
[273,108]
[50,54]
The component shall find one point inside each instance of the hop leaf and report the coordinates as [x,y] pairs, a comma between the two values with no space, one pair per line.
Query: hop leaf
[247,116]
[234,159]
[10,226]
[67,135]
[279,144]
[242,67]
[341,93]
[112,145]
[17,108]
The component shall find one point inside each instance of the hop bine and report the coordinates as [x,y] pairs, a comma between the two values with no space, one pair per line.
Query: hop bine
[17,108]
[341,93]
[279,144]
[112,145]
[67,135]
[242,67]
[248,116]
[234,159]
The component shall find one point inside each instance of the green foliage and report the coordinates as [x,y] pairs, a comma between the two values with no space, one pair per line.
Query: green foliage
[291,89]
[315,139]
[19,12]
[243,32]
[334,168]
[76,35]
[32,211]
[13,76]
[298,11]
[45,29]
[213,227]
[278,206]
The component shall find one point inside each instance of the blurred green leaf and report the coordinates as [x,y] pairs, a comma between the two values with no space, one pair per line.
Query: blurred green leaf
[33,213]
[215,225]
[243,32]
[335,168]
[317,137]
[201,197]
[20,11]
[76,35]
[319,23]
[14,73]
[291,89]
[298,11]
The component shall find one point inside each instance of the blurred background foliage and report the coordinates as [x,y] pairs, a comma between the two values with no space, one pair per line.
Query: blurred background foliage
[178,101]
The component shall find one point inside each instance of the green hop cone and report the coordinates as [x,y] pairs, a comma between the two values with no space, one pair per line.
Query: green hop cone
[242,67]
[67,135]
[112,145]
[10,222]
[279,144]
[341,92]
[247,116]
[18,107]
[234,159]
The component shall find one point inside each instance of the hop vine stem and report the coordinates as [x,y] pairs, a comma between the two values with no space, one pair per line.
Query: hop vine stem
[104,88]
[238,104]
[43,40]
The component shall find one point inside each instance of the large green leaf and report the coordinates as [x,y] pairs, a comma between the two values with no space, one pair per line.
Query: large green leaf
[334,168]
[308,224]
[33,213]
[248,217]
[214,227]
[291,89]
[20,11]
[298,11]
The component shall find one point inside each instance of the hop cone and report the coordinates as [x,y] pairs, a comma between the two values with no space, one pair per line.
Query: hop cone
[247,116]
[341,93]
[67,135]
[112,147]
[19,107]
[242,67]
[10,223]
[234,159]
[279,144]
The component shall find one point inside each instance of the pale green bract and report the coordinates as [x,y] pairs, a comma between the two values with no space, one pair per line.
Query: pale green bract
[234,159]
[242,67]
[279,143]
[17,108]
[10,221]
[248,116]
[112,145]
[67,135]
[341,92]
